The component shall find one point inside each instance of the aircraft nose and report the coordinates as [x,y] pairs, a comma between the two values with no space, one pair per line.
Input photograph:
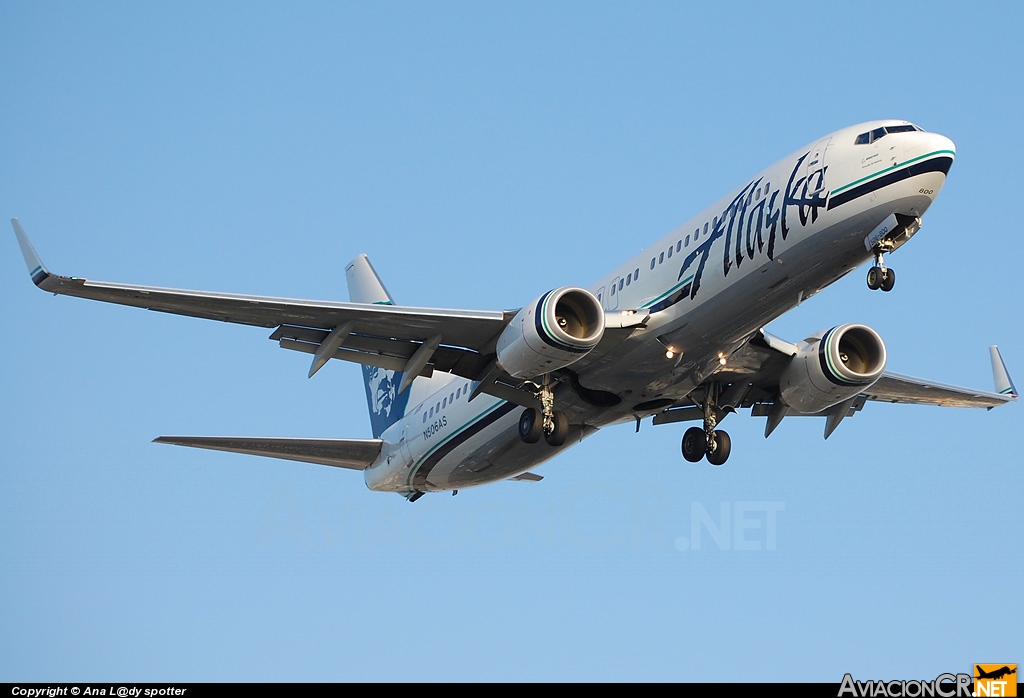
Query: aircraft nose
[943,144]
[922,143]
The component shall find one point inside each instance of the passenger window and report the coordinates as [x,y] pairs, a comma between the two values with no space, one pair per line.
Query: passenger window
[628,279]
[424,417]
[621,283]
[612,292]
[431,413]
[599,298]
[652,262]
[636,274]
[687,243]
[661,258]
[679,245]
[705,228]
[670,253]
[451,398]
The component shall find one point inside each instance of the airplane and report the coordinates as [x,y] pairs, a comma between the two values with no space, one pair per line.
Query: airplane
[995,674]
[460,398]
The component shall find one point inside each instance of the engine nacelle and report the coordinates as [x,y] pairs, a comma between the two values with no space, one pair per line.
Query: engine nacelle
[550,333]
[844,362]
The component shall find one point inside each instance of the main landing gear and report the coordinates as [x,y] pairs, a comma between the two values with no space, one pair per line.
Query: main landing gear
[550,423]
[707,441]
[880,276]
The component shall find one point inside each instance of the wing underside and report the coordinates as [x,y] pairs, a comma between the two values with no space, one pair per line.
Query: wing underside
[892,387]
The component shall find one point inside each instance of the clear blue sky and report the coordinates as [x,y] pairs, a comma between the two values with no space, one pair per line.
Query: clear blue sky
[482,154]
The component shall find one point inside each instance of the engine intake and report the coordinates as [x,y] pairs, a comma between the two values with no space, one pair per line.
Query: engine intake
[552,332]
[845,361]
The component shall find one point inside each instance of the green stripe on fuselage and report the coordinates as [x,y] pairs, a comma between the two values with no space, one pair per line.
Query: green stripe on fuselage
[890,169]
[456,432]
[669,292]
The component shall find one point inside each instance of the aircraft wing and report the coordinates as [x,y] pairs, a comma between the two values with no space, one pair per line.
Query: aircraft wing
[354,454]
[467,328]
[400,338]
[892,387]
[387,335]
[754,372]
[764,357]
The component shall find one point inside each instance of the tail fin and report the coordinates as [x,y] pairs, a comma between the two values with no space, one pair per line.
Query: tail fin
[386,404]
[1004,384]
[364,286]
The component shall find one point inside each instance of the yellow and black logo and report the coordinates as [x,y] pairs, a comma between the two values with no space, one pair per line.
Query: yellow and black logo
[995,680]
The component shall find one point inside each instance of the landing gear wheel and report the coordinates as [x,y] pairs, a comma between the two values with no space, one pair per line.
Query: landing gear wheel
[559,429]
[530,426]
[888,280]
[695,443]
[875,278]
[719,448]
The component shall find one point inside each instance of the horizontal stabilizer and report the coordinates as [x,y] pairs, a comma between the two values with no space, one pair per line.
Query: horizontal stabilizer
[355,454]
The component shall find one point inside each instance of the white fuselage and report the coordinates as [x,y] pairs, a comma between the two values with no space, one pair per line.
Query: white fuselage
[783,235]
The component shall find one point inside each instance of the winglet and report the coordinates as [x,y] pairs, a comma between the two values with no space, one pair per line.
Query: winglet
[1004,384]
[36,269]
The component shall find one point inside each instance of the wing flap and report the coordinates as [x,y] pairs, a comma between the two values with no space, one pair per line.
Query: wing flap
[354,454]
[386,352]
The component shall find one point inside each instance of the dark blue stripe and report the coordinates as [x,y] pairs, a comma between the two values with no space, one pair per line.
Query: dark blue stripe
[420,479]
[940,164]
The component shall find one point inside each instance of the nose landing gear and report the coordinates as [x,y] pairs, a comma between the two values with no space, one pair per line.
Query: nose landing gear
[890,234]
[880,276]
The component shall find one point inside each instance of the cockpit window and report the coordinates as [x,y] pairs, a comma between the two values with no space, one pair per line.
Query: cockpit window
[872,136]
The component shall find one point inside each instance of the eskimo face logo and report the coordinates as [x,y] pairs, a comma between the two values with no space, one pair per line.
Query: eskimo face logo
[382,391]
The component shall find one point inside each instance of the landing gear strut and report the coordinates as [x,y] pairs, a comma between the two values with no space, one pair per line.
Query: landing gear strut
[549,422]
[707,441]
[880,276]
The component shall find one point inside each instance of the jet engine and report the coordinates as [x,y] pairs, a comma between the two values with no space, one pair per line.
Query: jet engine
[843,362]
[550,333]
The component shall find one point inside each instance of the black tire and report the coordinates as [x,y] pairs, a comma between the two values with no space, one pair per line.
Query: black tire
[530,426]
[888,280]
[722,447]
[874,278]
[695,442]
[560,431]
